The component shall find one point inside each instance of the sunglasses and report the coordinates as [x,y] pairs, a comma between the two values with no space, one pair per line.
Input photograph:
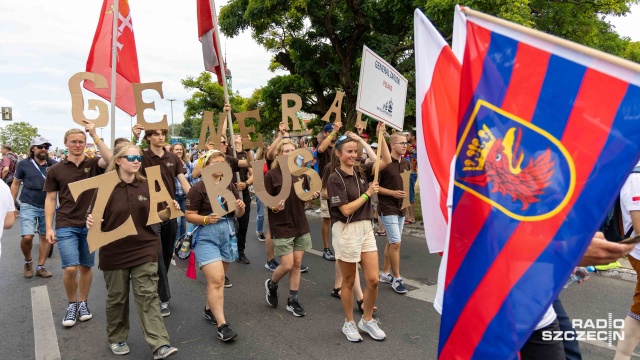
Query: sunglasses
[40,147]
[132,158]
[341,139]
[223,142]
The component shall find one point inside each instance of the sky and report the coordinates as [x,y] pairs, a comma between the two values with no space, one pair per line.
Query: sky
[43,43]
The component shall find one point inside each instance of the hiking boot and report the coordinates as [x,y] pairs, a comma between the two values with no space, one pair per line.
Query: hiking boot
[386,278]
[208,315]
[164,309]
[83,311]
[371,327]
[28,269]
[398,286]
[295,308]
[351,331]
[71,316]
[43,273]
[272,293]
[242,259]
[271,265]
[227,282]
[164,352]
[225,333]
[120,348]
[327,254]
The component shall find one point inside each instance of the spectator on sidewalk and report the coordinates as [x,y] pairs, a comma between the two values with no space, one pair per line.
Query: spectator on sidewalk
[411,155]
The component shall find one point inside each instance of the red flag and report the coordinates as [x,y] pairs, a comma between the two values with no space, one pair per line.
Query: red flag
[99,60]
[207,36]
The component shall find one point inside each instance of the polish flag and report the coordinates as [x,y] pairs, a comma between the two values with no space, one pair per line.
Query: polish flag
[207,35]
[99,61]
[437,87]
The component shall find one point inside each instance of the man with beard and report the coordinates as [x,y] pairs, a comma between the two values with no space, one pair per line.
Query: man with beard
[32,172]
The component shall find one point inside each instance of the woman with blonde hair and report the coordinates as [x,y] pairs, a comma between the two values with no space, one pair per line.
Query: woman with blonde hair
[133,260]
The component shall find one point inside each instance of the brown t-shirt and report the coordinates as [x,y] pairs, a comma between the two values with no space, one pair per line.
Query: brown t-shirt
[170,167]
[72,213]
[292,221]
[198,200]
[132,250]
[244,172]
[324,158]
[390,179]
[343,189]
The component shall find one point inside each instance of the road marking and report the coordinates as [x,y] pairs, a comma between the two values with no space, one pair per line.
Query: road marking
[44,332]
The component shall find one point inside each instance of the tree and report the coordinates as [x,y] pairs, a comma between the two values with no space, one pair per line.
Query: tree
[18,135]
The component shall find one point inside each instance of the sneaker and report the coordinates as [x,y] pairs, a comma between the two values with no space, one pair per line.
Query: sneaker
[208,315]
[43,273]
[371,327]
[225,333]
[318,211]
[164,352]
[260,236]
[398,286]
[83,311]
[271,265]
[613,265]
[272,293]
[327,254]
[120,348]
[164,309]
[242,259]
[227,282]
[349,328]
[295,308]
[303,268]
[28,270]
[386,278]
[72,315]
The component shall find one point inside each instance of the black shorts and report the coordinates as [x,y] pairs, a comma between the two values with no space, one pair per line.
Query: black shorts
[536,348]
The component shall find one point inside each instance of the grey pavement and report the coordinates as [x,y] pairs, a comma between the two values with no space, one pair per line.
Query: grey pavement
[410,321]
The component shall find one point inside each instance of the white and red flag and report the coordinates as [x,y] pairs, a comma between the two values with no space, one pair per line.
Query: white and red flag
[437,88]
[99,61]
[207,36]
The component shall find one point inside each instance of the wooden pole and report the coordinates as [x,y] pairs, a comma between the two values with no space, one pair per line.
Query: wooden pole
[114,64]
[377,164]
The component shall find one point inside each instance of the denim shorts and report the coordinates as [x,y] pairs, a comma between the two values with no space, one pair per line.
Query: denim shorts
[212,243]
[73,247]
[393,225]
[413,177]
[30,217]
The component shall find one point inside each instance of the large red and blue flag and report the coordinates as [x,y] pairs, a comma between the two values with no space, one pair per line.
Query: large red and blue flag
[547,133]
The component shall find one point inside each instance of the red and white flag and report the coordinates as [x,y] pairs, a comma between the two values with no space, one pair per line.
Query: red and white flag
[207,35]
[437,88]
[99,61]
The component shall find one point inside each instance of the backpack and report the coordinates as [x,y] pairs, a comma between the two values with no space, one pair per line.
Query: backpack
[612,227]
[12,167]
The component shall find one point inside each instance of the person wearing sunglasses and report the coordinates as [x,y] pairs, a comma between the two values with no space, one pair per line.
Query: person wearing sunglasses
[31,173]
[212,242]
[349,189]
[132,262]
[70,229]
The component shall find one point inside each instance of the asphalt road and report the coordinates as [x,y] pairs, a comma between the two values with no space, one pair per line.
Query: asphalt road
[409,320]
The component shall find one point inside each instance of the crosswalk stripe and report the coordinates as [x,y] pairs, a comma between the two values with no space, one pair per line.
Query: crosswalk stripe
[44,332]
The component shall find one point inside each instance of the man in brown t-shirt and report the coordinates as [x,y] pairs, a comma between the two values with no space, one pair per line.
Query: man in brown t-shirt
[391,216]
[246,180]
[71,232]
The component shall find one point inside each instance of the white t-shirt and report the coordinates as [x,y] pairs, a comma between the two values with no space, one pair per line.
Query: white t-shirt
[6,205]
[630,201]
[549,315]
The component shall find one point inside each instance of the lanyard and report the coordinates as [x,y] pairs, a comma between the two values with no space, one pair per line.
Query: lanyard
[37,167]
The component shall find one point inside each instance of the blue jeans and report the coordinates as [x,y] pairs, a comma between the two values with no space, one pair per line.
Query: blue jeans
[73,247]
[413,177]
[212,243]
[259,215]
[182,221]
[29,216]
[393,225]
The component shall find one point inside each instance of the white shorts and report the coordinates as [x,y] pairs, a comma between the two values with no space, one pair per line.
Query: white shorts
[350,241]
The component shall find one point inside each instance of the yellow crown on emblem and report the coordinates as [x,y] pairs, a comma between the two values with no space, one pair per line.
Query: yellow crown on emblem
[478,150]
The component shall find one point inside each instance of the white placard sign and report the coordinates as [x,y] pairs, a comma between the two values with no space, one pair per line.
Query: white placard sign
[382,93]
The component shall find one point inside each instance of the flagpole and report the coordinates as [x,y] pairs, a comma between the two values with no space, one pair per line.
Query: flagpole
[114,58]
[223,70]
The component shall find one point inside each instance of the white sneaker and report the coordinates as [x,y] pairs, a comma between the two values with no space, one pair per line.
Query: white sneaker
[386,278]
[372,328]
[349,328]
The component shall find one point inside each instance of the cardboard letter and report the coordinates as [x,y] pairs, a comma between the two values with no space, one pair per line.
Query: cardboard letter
[207,122]
[246,131]
[290,112]
[336,108]
[77,100]
[258,183]
[104,184]
[360,124]
[156,197]
[405,187]
[315,180]
[141,106]
[219,189]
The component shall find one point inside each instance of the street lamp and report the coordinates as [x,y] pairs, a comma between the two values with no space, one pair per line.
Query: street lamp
[172,127]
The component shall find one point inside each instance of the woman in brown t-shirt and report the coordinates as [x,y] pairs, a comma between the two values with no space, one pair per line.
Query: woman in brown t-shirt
[212,241]
[349,189]
[132,260]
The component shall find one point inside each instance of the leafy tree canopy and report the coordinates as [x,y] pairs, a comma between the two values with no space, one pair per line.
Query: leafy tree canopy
[18,135]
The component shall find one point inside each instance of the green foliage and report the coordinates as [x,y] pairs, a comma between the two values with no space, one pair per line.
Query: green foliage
[18,135]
